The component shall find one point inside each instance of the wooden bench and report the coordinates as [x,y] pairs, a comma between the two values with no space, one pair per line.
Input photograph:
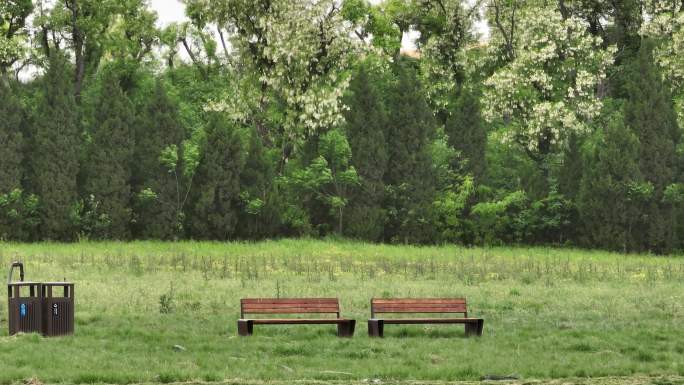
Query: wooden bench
[345,327]
[473,326]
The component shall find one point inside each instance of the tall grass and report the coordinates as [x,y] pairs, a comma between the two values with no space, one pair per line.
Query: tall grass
[549,313]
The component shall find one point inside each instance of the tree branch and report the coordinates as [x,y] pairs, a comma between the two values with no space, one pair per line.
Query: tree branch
[508,40]
[194,59]
[223,41]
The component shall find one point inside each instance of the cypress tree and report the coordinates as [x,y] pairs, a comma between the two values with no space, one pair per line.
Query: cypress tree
[608,209]
[366,125]
[409,175]
[17,209]
[466,132]
[155,187]
[11,140]
[260,214]
[108,170]
[216,208]
[55,145]
[650,114]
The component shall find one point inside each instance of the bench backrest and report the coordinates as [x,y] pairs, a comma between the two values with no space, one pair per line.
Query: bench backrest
[289,306]
[418,305]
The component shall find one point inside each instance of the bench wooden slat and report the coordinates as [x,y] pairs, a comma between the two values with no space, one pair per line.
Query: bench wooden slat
[419,309]
[299,310]
[419,300]
[333,301]
[288,305]
[428,305]
[418,305]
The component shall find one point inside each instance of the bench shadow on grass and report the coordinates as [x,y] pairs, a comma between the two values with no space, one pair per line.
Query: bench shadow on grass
[299,332]
[442,331]
[310,332]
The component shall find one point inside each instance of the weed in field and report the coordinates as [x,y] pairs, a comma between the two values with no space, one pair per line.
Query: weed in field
[167,301]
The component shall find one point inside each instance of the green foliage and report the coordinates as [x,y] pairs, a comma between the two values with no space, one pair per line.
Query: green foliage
[549,220]
[169,158]
[55,144]
[157,169]
[306,118]
[497,221]
[92,220]
[608,210]
[13,16]
[571,168]
[451,212]
[260,200]
[215,209]
[409,178]
[19,215]
[108,167]
[383,23]
[649,113]
[11,139]
[467,133]
[366,128]
[328,179]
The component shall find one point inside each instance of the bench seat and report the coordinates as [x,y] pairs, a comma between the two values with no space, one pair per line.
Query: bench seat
[430,320]
[297,321]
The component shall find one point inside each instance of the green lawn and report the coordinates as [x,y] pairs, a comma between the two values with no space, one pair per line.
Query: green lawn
[549,313]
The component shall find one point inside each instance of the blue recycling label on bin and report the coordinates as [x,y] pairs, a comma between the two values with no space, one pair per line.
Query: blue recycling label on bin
[22,310]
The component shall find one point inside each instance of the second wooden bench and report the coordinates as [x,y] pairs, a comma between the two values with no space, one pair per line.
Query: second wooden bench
[473,326]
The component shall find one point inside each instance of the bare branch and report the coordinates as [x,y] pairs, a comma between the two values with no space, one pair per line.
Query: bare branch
[194,59]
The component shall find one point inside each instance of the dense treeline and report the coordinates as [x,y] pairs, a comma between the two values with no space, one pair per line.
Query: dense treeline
[562,126]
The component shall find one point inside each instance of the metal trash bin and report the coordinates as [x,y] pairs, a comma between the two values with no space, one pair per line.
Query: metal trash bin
[58,308]
[24,311]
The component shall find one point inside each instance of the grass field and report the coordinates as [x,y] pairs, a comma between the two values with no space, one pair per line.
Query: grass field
[549,314]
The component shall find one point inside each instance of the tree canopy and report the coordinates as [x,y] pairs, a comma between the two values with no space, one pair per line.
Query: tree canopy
[413,121]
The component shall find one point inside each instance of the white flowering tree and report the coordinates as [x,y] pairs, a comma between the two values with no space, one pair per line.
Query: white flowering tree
[308,46]
[548,88]
[443,50]
[666,27]
[292,62]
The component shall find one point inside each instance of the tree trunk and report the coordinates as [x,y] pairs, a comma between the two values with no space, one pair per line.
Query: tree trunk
[77,35]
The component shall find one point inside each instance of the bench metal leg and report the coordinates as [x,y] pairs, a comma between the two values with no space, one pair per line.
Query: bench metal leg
[245,327]
[346,329]
[474,328]
[480,327]
[376,327]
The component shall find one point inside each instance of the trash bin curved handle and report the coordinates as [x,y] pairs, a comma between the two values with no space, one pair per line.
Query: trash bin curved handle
[20,265]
